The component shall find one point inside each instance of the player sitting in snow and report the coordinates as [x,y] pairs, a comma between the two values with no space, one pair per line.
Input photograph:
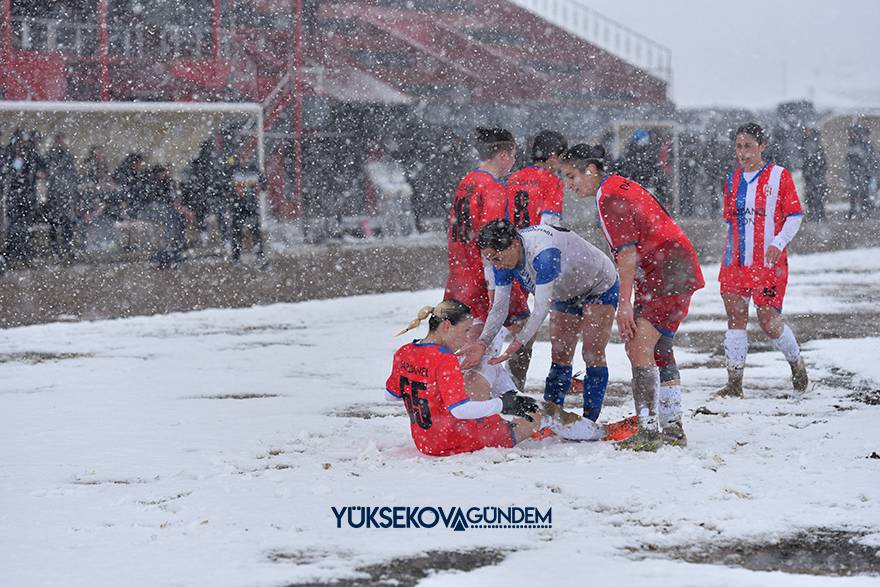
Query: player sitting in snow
[444,420]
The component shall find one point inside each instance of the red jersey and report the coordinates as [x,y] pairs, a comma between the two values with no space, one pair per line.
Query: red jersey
[479,199]
[631,216]
[428,378]
[755,212]
[531,193]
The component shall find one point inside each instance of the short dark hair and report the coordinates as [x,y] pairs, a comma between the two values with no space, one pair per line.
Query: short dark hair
[491,141]
[754,130]
[548,143]
[498,234]
[583,154]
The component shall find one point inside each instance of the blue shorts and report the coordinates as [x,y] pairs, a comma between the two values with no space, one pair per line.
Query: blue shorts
[575,305]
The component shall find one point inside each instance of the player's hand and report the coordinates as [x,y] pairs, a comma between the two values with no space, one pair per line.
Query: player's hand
[514,346]
[772,256]
[626,324]
[518,405]
[472,353]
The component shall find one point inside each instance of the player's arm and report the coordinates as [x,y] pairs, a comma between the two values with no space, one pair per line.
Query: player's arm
[503,284]
[620,223]
[451,386]
[788,231]
[791,207]
[500,282]
[627,259]
[472,353]
[548,266]
[392,385]
[509,404]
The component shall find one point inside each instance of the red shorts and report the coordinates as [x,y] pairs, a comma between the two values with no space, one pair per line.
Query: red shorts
[473,292]
[664,313]
[470,435]
[764,285]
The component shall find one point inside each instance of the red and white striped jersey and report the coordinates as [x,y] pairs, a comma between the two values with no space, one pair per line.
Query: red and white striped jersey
[755,211]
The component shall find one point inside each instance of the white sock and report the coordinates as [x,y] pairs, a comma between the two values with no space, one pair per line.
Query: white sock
[736,347]
[669,409]
[657,384]
[787,345]
[582,429]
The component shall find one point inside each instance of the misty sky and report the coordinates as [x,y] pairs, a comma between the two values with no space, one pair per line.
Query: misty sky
[757,54]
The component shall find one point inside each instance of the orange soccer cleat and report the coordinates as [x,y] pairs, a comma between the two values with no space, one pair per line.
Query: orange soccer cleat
[622,429]
[577,383]
[542,434]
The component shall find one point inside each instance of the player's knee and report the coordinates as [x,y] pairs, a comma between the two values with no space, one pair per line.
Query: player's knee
[664,356]
[770,322]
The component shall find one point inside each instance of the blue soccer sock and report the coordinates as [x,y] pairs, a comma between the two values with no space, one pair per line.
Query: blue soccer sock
[558,383]
[595,384]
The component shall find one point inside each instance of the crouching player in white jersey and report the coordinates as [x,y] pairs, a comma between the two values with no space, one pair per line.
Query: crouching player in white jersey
[567,274]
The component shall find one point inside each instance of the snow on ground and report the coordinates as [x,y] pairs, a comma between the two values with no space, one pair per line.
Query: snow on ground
[208,448]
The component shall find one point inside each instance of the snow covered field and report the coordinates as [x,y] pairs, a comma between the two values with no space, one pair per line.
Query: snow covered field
[208,449]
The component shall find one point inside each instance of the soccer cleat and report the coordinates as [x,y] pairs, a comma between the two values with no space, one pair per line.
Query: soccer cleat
[645,440]
[555,413]
[799,378]
[673,434]
[577,383]
[622,429]
[734,387]
[542,433]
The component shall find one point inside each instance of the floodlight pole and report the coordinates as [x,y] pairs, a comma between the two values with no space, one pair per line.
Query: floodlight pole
[297,100]
[6,41]
[215,32]
[104,50]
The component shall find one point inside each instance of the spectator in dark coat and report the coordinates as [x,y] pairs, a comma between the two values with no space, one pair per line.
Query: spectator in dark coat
[861,161]
[62,198]
[689,173]
[100,204]
[132,179]
[815,168]
[246,182]
[206,190]
[18,171]
[165,209]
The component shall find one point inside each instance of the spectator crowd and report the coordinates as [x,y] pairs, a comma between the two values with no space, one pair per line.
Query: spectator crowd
[93,205]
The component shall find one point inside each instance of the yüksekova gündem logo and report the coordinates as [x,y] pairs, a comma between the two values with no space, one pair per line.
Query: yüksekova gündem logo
[453,518]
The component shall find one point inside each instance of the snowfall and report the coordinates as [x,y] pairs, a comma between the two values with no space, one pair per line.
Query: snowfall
[208,448]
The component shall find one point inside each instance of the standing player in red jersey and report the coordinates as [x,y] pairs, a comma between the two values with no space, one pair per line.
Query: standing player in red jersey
[763,214]
[480,198]
[534,193]
[443,419]
[642,235]
[534,196]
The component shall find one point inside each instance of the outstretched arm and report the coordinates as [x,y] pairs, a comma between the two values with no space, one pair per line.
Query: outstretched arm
[626,258]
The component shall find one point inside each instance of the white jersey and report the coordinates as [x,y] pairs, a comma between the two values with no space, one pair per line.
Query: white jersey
[557,265]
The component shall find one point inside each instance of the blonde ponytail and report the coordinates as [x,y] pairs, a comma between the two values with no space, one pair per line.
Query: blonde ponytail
[425,312]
